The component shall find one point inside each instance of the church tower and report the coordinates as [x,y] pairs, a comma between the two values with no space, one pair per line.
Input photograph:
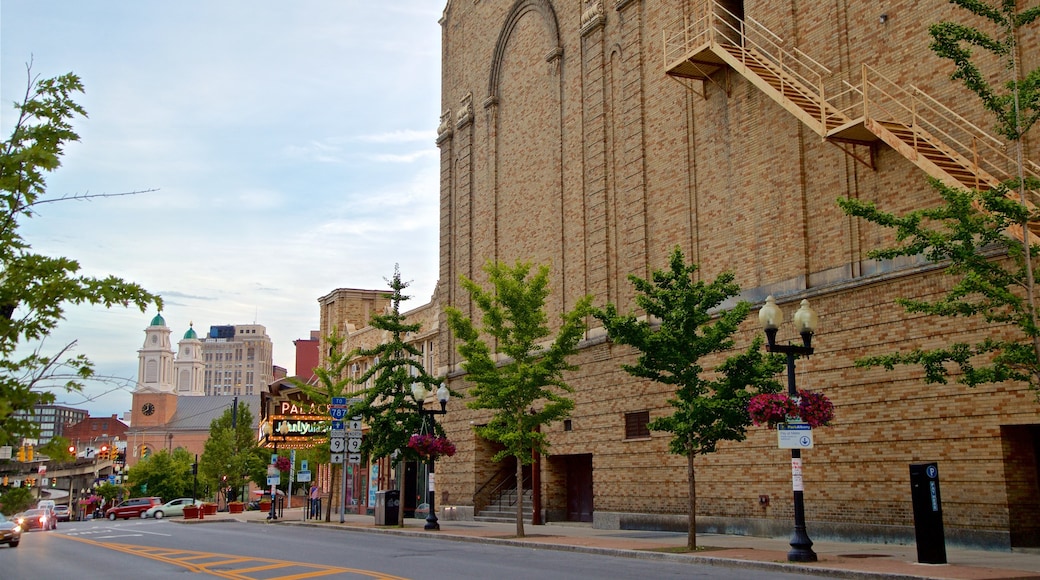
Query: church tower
[155,358]
[189,368]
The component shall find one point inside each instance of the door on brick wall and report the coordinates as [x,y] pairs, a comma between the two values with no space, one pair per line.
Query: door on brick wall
[579,488]
[1021,446]
[731,20]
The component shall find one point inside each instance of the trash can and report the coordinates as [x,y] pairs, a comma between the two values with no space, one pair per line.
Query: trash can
[928,524]
[388,501]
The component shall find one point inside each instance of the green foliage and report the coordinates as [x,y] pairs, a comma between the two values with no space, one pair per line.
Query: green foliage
[57,449]
[387,406]
[676,333]
[989,267]
[975,233]
[679,333]
[16,499]
[167,475]
[1016,109]
[35,289]
[532,376]
[110,492]
[523,391]
[231,457]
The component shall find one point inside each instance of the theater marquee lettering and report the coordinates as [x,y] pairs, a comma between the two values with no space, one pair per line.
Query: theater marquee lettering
[303,408]
[300,427]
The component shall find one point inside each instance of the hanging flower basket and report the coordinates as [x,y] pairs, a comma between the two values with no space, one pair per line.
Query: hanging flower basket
[431,446]
[773,409]
[283,464]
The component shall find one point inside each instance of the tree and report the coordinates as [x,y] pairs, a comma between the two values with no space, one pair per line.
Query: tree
[525,390]
[682,326]
[333,381]
[57,449]
[16,499]
[388,406]
[981,236]
[35,289]
[231,456]
[163,474]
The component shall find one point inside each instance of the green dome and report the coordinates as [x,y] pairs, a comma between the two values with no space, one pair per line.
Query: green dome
[158,320]
[191,334]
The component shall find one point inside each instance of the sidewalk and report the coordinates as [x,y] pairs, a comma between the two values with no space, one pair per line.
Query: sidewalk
[836,559]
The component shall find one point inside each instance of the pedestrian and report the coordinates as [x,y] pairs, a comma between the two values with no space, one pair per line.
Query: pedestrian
[315,501]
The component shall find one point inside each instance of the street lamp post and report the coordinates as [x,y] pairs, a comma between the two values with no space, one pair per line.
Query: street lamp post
[269,432]
[419,394]
[805,321]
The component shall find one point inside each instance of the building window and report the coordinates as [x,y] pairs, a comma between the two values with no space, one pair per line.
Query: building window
[636,425]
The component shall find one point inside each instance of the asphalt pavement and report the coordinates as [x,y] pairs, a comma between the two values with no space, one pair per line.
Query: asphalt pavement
[836,559]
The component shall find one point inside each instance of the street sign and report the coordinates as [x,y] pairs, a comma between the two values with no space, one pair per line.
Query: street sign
[354,459]
[303,465]
[354,425]
[336,458]
[338,413]
[354,445]
[41,470]
[337,426]
[274,479]
[337,445]
[794,436]
[303,476]
[339,401]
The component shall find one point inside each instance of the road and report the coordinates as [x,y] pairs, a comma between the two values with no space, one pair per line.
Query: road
[164,549]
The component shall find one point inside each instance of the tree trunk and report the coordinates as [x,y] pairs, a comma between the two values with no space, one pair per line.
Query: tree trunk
[519,498]
[328,508]
[691,534]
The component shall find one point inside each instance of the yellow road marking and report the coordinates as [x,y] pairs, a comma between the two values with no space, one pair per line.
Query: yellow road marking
[192,560]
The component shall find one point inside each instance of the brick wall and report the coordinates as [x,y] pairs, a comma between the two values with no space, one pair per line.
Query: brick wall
[580,152]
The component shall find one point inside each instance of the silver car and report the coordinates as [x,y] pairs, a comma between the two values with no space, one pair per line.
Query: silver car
[173,507]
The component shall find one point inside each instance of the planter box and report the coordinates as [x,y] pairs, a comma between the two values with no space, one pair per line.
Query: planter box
[191,512]
[236,507]
[265,505]
[210,509]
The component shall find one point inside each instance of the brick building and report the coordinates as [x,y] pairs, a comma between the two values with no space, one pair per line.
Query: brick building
[597,135]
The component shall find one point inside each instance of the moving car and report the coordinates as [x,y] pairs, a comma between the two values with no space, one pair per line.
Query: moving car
[133,508]
[171,508]
[62,513]
[10,532]
[39,519]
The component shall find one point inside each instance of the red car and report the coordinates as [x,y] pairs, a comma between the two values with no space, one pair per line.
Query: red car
[133,508]
[39,519]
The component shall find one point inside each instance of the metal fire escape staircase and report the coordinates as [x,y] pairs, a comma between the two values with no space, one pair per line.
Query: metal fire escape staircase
[853,117]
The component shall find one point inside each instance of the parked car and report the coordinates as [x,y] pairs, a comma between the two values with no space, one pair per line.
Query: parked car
[133,508]
[10,532]
[62,513]
[171,508]
[39,519]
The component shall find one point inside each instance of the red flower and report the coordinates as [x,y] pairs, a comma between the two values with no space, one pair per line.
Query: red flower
[431,446]
[774,409]
[283,464]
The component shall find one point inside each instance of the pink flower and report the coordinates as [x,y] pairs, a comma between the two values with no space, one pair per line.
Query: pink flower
[774,409]
[431,446]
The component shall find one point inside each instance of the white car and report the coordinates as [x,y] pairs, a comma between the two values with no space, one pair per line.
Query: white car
[171,508]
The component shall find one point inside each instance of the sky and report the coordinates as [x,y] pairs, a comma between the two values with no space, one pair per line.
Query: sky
[284,149]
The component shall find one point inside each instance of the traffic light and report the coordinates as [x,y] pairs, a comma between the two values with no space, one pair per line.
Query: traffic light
[29,455]
[104,452]
[113,453]
[72,450]
[21,454]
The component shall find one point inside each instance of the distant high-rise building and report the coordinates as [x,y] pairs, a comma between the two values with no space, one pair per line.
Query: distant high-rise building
[238,360]
[231,360]
[52,419]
